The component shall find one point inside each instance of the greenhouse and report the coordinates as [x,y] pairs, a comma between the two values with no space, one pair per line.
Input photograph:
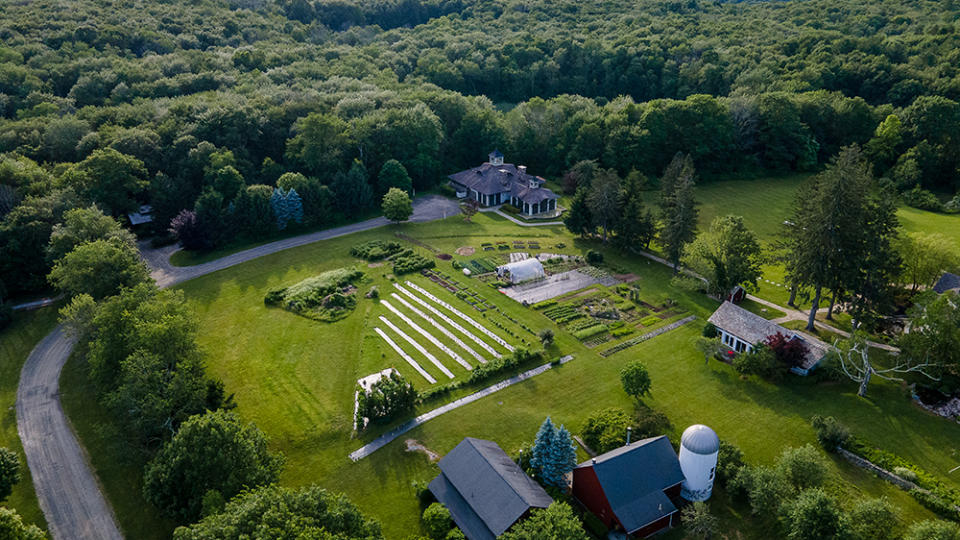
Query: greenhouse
[519,272]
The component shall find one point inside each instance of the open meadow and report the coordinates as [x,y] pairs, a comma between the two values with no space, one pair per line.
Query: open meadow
[295,377]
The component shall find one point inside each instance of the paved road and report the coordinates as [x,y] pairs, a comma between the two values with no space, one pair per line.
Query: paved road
[66,487]
[426,208]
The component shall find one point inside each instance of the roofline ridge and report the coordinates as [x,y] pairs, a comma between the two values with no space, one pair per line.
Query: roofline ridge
[505,480]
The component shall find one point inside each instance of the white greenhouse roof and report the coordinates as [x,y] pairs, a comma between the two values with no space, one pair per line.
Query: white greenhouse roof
[524,270]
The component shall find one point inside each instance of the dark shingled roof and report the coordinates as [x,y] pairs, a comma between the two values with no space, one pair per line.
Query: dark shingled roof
[947,282]
[485,491]
[633,479]
[490,179]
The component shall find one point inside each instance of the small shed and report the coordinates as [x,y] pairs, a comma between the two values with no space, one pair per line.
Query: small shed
[143,216]
[485,491]
[521,271]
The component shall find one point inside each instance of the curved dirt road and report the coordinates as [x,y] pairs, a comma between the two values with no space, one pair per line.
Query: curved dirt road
[66,487]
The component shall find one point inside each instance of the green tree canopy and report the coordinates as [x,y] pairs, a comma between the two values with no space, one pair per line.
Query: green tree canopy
[9,472]
[99,268]
[393,175]
[727,255]
[82,225]
[635,379]
[110,179]
[274,512]
[213,451]
[12,527]
[556,522]
[397,205]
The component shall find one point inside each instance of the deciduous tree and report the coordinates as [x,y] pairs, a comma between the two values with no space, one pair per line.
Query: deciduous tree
[9,472]
[397,205]
[556,522]
[213,451]
[727,255]
[99,268]
[82,225]
[635,379]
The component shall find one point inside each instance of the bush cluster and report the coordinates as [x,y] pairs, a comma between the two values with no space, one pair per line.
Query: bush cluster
[319,297]
[375,250]
[407,262]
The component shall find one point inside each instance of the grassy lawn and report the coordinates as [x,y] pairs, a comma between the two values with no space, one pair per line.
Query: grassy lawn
[16,342]
[295,378]
[761,310]
[118,466]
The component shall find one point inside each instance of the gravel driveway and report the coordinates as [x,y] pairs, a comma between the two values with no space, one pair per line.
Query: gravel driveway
[68,491]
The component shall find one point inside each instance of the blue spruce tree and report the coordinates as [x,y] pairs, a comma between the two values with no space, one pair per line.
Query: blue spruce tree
[294,206]
[542,454]
[563,459]
[279,203]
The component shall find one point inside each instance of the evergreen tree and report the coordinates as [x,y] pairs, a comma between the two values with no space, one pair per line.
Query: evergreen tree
[678,207]
[211,216]
[636,226]
[278,201]
[603,200]
[294,206]
[542,447]
[352,191]
[563,458]
[393,175]
[578,219]
[253,212]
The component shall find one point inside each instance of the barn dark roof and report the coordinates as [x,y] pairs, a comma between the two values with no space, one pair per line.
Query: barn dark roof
[947,282]
[633,479]
[489,179]
[485,491]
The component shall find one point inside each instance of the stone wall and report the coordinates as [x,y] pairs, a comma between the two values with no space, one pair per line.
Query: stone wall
[882,473]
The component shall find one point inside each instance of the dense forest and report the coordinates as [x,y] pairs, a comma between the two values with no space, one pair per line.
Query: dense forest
[211,107]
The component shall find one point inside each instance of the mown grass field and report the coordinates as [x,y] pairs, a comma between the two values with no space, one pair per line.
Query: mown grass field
[295,378]
[16,342]
[765,203]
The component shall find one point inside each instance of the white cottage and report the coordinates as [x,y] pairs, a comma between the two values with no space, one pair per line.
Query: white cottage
[741,330]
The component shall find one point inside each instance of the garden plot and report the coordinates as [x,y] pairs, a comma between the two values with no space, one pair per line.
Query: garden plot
[460,314]
[556,285]
[450,335]
[599,314]
[413,343]
[413,363]
[449,321]
[428,336]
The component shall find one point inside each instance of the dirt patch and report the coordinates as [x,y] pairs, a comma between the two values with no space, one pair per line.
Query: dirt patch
[466,251]
[376,265]
[414,445]
[626,278]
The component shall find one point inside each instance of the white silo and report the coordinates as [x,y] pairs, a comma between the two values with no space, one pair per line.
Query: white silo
[699,447]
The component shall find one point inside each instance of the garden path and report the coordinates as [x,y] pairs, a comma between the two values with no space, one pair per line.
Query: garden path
[386,438]
[449,321]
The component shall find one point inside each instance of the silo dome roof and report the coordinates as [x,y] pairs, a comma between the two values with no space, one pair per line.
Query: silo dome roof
[700,439]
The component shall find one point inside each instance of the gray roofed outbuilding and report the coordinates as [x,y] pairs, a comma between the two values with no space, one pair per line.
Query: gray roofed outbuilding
[947,282]
[754,329]
[634,477]
[484,490]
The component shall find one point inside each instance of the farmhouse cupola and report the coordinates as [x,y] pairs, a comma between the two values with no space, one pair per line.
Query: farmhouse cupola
[496,158]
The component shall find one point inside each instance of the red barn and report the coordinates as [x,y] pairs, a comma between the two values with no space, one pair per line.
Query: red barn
[633,487]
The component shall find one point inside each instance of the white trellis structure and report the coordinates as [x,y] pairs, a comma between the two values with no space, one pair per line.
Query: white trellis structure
[443,330]
[449,321]
[428,336]
[460,314]
[413,363]
[413,343]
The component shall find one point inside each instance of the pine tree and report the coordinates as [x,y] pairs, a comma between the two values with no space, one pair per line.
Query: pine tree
[678,207]
[279,203]
[578,219]
[294,206]
[542,447]
[563,459]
